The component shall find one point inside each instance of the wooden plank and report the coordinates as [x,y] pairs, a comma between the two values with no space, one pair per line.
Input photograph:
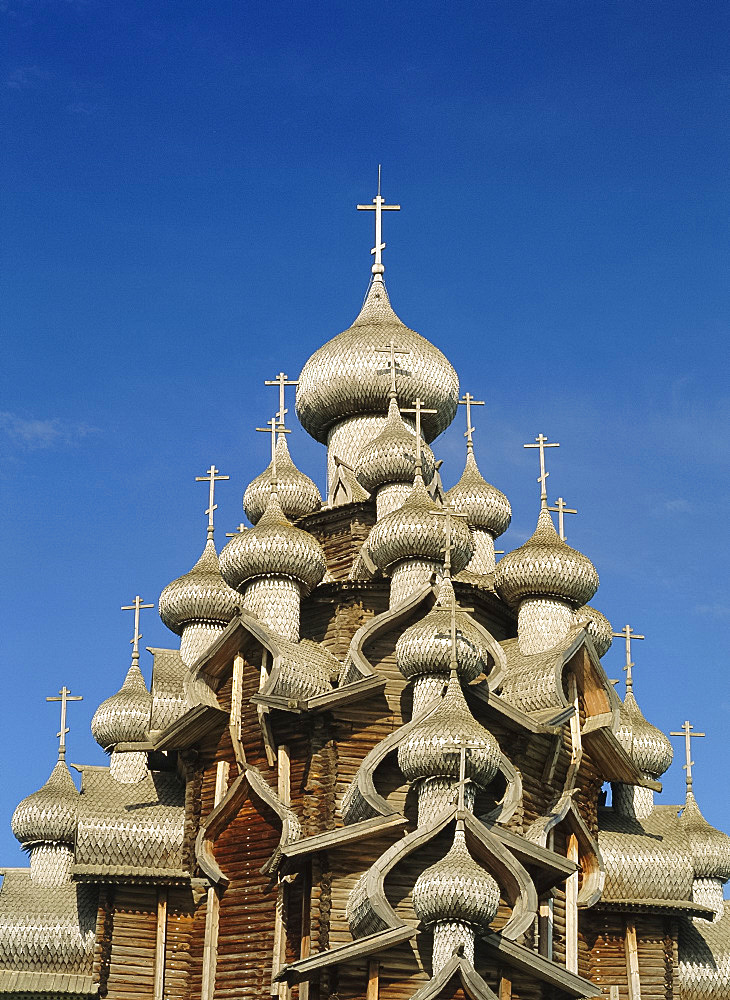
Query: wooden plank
[632,960]
[373,988]
[160,943]
[505,986]
[571,909]
[283,788]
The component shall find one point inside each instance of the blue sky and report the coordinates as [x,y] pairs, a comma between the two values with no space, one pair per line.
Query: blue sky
[179,186]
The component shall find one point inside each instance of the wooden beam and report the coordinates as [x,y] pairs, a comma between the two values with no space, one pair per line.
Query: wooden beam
[571,910]
[263,713]
[305,945]
[210,938]
[632,960]
[373,979]
[234,722]
[160,943]
[505,986]
[283,788]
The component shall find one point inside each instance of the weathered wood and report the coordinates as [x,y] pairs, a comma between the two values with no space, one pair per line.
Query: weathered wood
[160,943]
[373,987]
[632,960]
[571,910]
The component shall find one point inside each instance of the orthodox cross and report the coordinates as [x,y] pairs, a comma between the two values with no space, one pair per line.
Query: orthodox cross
[688,733]
[64,696]
[542,444]
[418,410]
[273,429]
[448,513]
[282,381]
[561,509]
[463,780]
[212,478]
[393,368]
[468,401]
[136,607]
[378,206]
[241,527]
[628,634]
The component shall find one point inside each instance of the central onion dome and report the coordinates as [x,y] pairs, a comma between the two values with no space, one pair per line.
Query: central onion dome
[545,566]
[710,848]
[647,746]
[391,456]
[413,532]
[273,548]
[432,747]
[456,888]
[346,377]
[48,815]
[425,647]
[598,627]
[201,595]
[297,493]
[125,717]
[484,505]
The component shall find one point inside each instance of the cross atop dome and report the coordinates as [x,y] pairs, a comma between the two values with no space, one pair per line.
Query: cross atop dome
[212,477]
[542,444]
[688,733]
[282,381]
[561,509]
[378,206]
[468,401]
[64,696]
[136,607]
[628,634]
[273,429]
[393,369]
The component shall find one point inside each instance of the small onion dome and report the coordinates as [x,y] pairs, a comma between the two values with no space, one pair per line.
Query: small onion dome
[598,627]
[545,566]
[646,745]
[425,647]
[346,376]
[484,505]
[431,749]
[710,848]
[273,548]
[48,815]
[456,888]
[297,493]
[201,595]
[414,532]
[125,717]
[391,456]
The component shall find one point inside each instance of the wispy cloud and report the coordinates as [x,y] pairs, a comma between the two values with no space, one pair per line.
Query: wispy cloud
[31,433]
[26,78]
[716,610]
[678,505]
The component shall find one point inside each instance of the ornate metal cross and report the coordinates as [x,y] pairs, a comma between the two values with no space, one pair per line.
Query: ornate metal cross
[282,381]
[468,401]
[688,733]
[136,607]
[393,368]
[378,206]
[448,513]
[561,509]
[542,444]
[211,477]
[628,634]
[64,696]
[273,429]
[418,409]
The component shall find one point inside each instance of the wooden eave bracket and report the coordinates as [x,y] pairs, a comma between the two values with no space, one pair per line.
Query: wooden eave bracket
[343,836]
[473,984]
[345,695]
[191,727]
[526,960]
[306,968]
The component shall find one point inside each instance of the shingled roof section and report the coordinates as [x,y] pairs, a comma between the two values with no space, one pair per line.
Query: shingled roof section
[169,701]
[704,958]
[46,936]
[130,831]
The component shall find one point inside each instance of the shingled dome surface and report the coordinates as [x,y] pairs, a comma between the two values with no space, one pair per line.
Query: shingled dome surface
[48,815]
[202,595]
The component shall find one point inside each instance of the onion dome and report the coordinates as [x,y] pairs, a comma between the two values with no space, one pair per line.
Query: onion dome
[48,815]
[391,456]
[345,376]
[710,848]
[545,566]
[125,717]
[456,888]
[273,548]
[598,627]
[484,505]
[201,595]
[425,647]
[297,493]
[646,745]
[413,532]
[431,749]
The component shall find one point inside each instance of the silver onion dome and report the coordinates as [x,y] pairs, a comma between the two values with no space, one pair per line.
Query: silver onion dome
[425,647]
[432,747]
[648,747]
[125,717]
[545,566]
[598,627]
[456,888]
[413,532]
[345,377]
[297,493]
[391,456]
[484,505]
[202,595]
[710,848]
[273,548]
[48,815]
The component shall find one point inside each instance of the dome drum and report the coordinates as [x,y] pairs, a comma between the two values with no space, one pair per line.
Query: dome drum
[484,560]
[197,637]
[409,576]
[542,623]
[276,602]
[390,497]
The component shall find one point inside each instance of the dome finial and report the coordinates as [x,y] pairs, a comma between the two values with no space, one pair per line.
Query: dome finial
[211,477]
[273,429]
[628,634]
[418,409]
[688,733]
[64,696]
[378,206]
[468,401]
[282,381]
[542,444]
[136,607]
[561,510]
